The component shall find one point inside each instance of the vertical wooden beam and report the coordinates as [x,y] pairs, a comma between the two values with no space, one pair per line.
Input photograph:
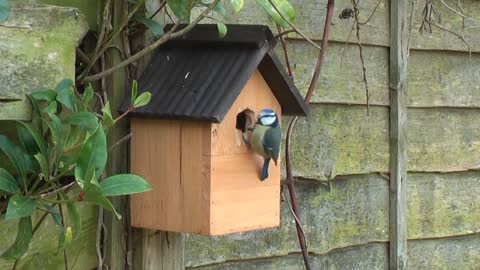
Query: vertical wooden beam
[398,135]
[115,254]
[156,250]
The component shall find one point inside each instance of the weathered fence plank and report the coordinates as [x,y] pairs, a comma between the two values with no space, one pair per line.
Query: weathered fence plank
[310,16]
[398,136]
[435,78]
[342,140]
[363,257]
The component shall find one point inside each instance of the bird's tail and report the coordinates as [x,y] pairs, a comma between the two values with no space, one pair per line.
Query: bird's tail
[264,174]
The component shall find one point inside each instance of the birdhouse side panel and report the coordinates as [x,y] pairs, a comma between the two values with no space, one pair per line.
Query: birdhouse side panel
[170,156]
[255,96]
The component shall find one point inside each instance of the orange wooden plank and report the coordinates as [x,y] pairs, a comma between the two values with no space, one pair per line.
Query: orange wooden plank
[239,200]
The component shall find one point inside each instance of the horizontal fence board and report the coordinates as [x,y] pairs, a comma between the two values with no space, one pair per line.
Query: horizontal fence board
[441,205]
[435,78]
[440,78]
[340,140]
[42,253]
[443,139]
[310,17]
[367,257]
[341,79]
[462,252]
[353,210]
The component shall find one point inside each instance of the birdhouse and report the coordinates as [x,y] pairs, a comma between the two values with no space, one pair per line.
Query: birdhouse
[189,142]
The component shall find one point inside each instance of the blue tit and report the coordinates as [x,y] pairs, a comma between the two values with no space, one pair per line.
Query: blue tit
[266,138]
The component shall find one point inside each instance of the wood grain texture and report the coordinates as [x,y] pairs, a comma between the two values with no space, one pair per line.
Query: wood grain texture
[256,95]
[42,253]
[157,155]
[240,201]
[434,78]
[353,211]
[364,257]
[398,136]
[310,16]
[157,250]
[342,140]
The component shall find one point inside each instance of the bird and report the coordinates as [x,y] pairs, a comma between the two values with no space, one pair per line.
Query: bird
[266,138]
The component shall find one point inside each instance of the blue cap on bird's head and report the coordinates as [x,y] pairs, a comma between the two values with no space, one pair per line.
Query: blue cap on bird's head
[268,117]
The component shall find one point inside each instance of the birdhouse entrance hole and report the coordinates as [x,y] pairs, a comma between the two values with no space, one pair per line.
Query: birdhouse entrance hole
[245,120]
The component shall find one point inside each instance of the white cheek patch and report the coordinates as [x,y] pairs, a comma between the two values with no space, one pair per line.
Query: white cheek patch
[267,120]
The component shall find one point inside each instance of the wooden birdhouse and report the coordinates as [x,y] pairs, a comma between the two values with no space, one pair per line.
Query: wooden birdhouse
[187,142]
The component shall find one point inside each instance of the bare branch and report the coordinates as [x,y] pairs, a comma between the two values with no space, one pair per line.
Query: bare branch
[284,47]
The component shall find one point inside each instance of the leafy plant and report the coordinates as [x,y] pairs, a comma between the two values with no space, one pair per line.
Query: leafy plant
[64,146]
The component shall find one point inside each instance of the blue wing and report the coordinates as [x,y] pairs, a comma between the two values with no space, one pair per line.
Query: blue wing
[271,142]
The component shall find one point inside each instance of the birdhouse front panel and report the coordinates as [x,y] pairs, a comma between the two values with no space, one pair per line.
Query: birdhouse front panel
[240,201]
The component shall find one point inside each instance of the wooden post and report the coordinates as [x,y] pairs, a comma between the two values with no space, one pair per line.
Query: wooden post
[156,250]
[115,255]
[398,135]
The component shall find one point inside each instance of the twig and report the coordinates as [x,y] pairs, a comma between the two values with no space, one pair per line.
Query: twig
[459,13]
[284,47]
[66,187]
[298,31]
[290,181]
[346,44]
[162,5]
[169,35]
[122,140]
[371,15]
[286,32]
[60,209]
[360,50]
[455,34]
[98,241]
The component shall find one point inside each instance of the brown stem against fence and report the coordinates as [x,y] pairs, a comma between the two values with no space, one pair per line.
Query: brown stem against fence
[313,83]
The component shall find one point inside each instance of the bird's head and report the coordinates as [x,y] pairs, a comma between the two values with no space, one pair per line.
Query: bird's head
[268,117]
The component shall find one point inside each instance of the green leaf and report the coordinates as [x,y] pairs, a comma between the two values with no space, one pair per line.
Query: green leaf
[220,10]
[93,154]
[64,239]
[142,100]
[181,8]
[283,6]
[108,121]
[222,29]
[19,206]
[134,92]
[86,120]
[36,113]
[94,194]
[56,129]
[237,5]
[8,182]
[52,108]
[42,162]
[87,97]
[22,241]
[46,95]
[65,95]
[55,214]
[27,140]
[15,154]
[31,136]
[124,184]
[4,10]
[154,26]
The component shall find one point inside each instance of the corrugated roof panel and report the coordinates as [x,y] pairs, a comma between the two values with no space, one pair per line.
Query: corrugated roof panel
[202,80]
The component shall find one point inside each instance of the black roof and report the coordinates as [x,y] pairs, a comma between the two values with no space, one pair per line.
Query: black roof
[199,76]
